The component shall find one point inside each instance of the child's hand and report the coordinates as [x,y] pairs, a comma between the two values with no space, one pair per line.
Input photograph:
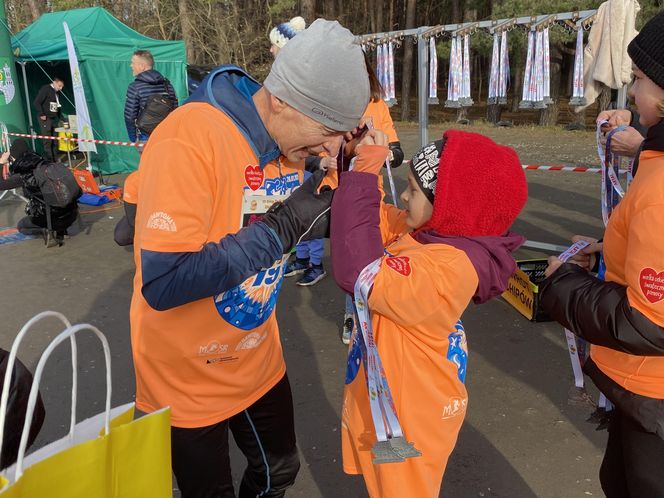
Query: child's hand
[374,137]
[370,158]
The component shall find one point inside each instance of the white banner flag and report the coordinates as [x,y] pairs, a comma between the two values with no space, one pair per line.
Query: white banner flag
[82,114]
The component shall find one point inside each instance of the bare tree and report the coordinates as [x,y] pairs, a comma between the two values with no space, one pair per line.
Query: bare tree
[185,25]
[407,63]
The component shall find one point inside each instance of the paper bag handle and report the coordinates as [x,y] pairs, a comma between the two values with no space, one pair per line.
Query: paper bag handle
[12,360]
[32,400]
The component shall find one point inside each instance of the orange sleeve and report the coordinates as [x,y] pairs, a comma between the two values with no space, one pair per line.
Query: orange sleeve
[409,289]
[130,189]
[177,187]
[392,222]
[644,267]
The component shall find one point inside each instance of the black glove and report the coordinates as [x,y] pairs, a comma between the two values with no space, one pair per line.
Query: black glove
[305,215]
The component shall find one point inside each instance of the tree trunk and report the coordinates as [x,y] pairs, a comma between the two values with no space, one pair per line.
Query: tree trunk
[549,116]
[456,11]
[187,32]
[604,99]
[309,10]
[493,112]
[407,75]
[517,86]
[34,9]
[379,16]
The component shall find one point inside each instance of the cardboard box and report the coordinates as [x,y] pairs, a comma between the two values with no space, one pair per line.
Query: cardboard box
[522,291]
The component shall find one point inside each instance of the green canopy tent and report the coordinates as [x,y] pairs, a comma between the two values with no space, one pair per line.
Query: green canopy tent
[104,47]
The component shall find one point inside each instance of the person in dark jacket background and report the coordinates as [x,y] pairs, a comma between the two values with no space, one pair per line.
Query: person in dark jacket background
[23,163]
[148,82]
[47,105]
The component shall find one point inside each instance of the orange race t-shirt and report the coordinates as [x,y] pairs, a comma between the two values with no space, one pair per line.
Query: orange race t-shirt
[417,300]
[632,252]
[379,113]
[212,358]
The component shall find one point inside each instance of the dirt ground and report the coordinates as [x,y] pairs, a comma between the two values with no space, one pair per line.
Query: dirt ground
[521,437]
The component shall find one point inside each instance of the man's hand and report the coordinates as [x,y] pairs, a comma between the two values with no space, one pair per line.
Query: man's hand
[305,215]
[42,117]
[327,163]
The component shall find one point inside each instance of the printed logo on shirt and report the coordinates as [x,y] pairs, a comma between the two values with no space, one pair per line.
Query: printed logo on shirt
[455,406]
[354,356]
[161,221]
[253,175]
[652,284]
[457,350]
[283,185]
[400,264]
[214,347]
[251,341]
[250,304]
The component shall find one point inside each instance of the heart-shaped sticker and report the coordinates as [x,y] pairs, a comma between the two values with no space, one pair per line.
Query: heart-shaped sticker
[400,264]
[253,175]
[652,284]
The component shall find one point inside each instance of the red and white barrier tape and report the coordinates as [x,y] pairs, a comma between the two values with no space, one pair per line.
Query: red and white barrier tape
[72,139]
[576,169]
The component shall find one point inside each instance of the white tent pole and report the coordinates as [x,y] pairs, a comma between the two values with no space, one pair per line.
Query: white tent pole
[423,88]
[27,102]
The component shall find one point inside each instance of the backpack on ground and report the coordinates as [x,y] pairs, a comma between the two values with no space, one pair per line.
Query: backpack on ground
[157,107]
[57,184]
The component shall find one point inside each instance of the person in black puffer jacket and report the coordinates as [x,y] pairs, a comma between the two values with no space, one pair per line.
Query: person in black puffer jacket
[23,163]
[148,82]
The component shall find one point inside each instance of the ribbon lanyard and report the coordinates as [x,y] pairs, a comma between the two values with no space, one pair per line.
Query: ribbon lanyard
[393,190]
[526,99]
[578,97]
[495,70]
[392,94]
[576,347]
[538,71]
[546,68]
[391,446]
[465,99]
[452,89]
[611,189]
[433,72]
[504,74]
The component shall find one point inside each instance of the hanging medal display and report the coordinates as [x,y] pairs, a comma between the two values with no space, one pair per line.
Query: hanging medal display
[391,94]
[527,94]
[494,76]
[454,78]
[464,99]
[578,96]
[433,72]
[391,446]
[504,70]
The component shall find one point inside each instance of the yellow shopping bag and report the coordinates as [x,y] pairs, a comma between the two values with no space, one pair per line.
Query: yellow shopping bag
[107,456]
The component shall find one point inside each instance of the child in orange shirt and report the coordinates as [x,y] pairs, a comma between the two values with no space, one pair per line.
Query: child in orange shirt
[416,271]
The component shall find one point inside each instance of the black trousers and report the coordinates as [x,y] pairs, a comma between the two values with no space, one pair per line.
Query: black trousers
[47,127]
[633,465]
[266,435]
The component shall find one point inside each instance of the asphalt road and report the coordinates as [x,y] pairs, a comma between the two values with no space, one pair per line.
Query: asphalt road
[521,436]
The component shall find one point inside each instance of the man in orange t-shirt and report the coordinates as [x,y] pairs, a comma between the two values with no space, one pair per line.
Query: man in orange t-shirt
[210,260]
